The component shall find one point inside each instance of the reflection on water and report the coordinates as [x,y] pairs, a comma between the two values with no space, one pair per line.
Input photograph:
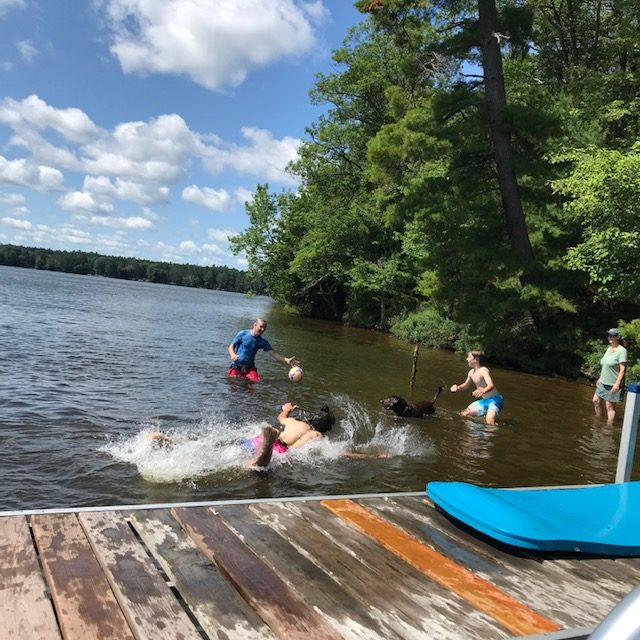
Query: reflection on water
[90,366]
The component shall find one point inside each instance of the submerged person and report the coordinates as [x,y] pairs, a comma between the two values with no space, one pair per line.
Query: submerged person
[291,433]
[610,383]
[489,402]
[243,349]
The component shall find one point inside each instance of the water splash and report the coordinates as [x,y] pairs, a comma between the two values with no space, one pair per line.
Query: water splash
[214,445]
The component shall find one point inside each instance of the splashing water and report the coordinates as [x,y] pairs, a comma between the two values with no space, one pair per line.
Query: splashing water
[214,445]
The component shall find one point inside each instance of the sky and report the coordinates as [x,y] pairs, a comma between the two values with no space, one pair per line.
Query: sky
[141,128]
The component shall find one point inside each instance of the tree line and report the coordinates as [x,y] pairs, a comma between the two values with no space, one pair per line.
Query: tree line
[474,183]
[88,263]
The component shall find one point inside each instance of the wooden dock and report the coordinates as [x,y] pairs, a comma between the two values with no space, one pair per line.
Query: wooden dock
[363,567]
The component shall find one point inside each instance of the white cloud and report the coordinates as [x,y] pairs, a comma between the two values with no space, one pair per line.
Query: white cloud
[215,43]
[220,235]
[189,247]
[316,10]
[27,51]
[17,224]
[25,173]
[133,222]
[154,151]
[68,233]
[138,161]
[10,4]
[149,214]
[265,156]
[213,249]
[142,193]
[15,203]
[12,199]
[32,113]
[84,201]
[212,199]
[244,195]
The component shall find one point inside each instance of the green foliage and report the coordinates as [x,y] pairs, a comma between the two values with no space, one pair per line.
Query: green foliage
[605,199]
[631,334]
[428,327]
[400,215]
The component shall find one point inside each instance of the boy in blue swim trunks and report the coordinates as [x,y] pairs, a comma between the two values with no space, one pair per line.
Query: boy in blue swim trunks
[489,401]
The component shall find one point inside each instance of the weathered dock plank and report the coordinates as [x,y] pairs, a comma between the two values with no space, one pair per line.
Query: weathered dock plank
[510,612]
[25,610]
[280,607]
[411,606]
[84,602]
[317,587]
[548,585]
[146,600]
[368,567]
[218,607]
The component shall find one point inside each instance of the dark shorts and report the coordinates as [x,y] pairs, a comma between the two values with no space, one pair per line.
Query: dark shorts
[250,373]
[604,391]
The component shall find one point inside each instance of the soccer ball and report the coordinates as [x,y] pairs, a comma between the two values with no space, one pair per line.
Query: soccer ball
[295,374]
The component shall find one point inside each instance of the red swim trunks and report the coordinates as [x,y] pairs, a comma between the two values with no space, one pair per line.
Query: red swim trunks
[250,373]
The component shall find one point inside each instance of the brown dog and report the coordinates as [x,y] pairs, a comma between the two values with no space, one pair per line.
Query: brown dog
[417,409]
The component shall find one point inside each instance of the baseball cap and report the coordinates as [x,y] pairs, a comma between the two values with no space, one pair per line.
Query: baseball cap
[613,332]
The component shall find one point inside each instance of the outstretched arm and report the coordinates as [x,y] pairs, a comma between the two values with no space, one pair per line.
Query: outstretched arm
[464,385]
[291,361]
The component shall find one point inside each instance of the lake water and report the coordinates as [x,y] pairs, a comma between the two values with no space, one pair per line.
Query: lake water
[89,366]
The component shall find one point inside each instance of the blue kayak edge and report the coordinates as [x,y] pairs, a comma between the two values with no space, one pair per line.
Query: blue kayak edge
[596,519]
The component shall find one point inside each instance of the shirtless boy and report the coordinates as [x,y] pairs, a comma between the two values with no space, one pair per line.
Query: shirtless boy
[489,401]
[291,433]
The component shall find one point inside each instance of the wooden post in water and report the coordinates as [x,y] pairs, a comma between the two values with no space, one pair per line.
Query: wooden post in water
[629,434]
[414,365]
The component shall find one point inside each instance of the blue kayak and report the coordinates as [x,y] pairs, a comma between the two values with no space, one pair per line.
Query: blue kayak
[598,519]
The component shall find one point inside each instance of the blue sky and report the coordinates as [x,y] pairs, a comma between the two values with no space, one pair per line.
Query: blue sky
[140,127]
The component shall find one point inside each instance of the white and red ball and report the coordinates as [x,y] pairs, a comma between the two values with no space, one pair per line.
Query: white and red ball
[295,374]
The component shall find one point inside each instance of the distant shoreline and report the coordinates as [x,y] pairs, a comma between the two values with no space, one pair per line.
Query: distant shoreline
[218,278]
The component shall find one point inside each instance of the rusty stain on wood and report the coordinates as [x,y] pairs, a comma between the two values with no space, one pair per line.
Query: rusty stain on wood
[508,611]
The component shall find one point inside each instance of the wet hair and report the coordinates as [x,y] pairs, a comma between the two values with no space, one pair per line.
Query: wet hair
[321,421]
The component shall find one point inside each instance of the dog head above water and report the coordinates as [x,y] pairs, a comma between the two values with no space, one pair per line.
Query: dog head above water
[417,409]
[395,404]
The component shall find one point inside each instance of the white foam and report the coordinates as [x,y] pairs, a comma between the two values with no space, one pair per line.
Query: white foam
[214,445]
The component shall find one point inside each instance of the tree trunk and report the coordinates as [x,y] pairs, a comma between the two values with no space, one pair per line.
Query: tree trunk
[496,100]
